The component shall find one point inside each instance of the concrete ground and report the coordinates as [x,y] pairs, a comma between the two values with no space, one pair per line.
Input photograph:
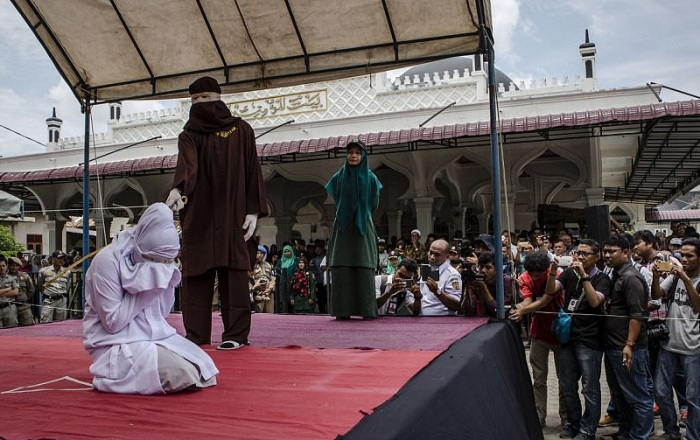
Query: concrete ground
[551,431]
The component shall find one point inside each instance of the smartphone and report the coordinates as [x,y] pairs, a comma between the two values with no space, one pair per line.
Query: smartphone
[427,272]
[565,261]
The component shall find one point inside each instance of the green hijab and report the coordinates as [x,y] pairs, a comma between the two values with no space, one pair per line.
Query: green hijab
[355,190]
[288,262]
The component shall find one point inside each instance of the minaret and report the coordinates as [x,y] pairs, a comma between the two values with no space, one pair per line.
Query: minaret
[590,79]
[54,126]
[115,111]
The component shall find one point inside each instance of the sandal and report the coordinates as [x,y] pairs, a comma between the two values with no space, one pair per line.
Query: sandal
[229,345]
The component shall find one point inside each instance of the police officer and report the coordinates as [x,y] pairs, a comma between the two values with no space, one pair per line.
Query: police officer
[25,298]
[8,293]
[55,304]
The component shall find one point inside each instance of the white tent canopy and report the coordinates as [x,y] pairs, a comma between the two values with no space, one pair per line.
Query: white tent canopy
[129,49]
[114,50]
[10,206]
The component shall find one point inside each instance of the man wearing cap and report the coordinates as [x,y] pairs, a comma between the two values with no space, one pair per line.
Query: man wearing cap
[484,243]
[8,292]
[393,263]
[263,282]
[219,172]
[674,246]
[55,304]
[25,298]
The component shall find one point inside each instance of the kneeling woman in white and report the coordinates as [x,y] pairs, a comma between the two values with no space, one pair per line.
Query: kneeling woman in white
[129,290]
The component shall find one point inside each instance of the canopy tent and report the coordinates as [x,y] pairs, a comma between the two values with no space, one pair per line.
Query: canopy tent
[128,49]
[10,206]
[114,50]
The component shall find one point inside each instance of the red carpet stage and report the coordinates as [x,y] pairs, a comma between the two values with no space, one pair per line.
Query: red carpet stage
[304,377]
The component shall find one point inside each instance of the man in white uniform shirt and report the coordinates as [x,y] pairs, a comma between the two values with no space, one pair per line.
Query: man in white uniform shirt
[444,295]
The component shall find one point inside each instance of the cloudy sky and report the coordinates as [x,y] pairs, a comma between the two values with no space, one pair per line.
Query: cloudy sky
[638,41]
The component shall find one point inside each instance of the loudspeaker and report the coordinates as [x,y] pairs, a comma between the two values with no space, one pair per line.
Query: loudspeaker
[597,222]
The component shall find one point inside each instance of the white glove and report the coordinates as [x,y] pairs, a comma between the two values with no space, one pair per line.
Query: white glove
[251,220]
[174,201]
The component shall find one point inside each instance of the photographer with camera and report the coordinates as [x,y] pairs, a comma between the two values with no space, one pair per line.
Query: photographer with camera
[682,348]
[398,293]
[480,287]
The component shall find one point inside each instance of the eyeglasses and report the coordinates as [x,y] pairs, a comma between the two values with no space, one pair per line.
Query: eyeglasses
[611,251]
[583,253]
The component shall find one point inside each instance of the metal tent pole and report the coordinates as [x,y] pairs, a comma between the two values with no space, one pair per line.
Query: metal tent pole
[86,195]
[487,45]
[496,184]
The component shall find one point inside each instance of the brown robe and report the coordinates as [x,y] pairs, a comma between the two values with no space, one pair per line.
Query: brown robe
[221,176]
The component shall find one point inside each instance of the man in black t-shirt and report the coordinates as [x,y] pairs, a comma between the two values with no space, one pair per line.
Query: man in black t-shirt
[585,289]
[626,352]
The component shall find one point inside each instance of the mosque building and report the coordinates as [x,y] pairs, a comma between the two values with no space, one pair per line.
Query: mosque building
[566,146]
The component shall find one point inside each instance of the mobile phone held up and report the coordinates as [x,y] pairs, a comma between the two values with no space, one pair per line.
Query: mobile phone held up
[565,261]
[427,272]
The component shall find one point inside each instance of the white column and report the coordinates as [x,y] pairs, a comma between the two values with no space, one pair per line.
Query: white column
[51,233]
[424,214]
[284,228]
[595,196]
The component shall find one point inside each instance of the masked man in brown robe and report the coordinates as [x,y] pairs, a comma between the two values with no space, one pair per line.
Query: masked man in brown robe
[219,174]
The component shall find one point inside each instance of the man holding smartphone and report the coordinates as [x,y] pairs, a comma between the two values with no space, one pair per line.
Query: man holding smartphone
[442,290]
[398,293]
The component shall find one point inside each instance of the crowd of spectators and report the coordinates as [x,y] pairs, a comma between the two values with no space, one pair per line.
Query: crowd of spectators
[633,302]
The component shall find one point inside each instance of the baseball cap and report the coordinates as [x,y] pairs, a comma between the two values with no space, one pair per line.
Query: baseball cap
[676,241]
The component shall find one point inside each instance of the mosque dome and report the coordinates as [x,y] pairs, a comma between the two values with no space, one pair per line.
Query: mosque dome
[450,65]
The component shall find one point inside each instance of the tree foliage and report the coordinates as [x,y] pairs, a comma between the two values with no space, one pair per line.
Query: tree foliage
[8,245]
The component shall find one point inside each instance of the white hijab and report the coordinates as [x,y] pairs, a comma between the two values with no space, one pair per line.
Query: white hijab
[147,252]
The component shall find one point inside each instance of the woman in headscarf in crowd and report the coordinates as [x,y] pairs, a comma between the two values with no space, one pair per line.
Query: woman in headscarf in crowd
[352,244]
[303,289]
[129,291]
[285,270]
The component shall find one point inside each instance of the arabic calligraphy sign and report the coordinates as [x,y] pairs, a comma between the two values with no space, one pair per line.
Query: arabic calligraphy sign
[281,105]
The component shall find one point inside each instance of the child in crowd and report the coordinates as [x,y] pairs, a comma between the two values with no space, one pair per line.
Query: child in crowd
[303,289]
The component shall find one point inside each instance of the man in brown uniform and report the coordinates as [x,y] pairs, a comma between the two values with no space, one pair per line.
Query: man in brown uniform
[25,298]
[219,173]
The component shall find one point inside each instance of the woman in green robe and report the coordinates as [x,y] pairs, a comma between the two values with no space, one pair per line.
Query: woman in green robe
[352,245]
[285,270]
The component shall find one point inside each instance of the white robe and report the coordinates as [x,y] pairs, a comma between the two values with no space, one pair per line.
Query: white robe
[121,331]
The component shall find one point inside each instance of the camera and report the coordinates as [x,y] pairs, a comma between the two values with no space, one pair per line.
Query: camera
[657,331]
[466,251]
[409,283]
[471,276]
